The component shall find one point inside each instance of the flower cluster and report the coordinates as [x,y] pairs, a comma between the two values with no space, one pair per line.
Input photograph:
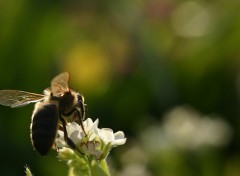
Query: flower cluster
[95,143]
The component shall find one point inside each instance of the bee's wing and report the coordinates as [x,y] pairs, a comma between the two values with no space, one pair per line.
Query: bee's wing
[59,84]
[17,98]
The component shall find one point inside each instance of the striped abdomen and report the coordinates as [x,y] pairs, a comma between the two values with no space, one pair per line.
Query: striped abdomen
[44,127]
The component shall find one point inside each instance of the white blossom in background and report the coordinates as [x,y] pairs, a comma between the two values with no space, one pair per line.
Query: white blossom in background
[185,128]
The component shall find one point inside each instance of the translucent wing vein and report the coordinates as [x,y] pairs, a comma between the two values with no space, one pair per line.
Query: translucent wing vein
[17,98]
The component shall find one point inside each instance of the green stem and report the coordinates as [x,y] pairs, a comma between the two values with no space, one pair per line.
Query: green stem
[99,168]
[88,166]
[104,166]
[79,166]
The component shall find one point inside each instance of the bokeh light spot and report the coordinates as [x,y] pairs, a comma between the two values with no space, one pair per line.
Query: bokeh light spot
[90,66]
[191,19]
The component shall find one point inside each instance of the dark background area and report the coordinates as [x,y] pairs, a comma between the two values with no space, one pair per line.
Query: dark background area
[135,62]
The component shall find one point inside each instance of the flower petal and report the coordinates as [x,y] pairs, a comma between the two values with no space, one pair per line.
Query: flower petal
[71,127]
[96,122]
[60,139]
[75,137]
[119,138]
[88,123]
[119,135]
[119,142]
[106,134]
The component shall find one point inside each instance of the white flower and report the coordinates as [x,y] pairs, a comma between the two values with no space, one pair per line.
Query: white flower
[92,148]
[187,129]
[97,142]
[107,135]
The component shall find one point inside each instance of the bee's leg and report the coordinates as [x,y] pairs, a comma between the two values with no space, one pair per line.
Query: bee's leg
[66,138]
[85,112]
[82,107]
[80,117]
[81,122]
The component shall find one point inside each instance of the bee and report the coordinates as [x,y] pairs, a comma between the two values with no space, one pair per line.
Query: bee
[53,109]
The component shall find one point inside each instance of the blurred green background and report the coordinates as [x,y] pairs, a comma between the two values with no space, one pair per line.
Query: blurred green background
[164,72]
